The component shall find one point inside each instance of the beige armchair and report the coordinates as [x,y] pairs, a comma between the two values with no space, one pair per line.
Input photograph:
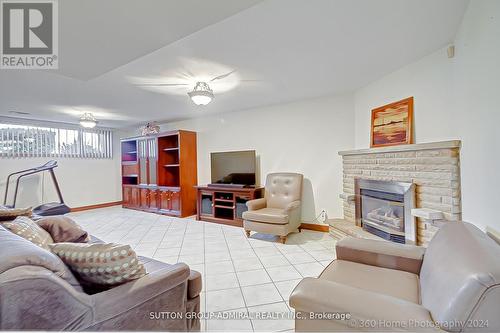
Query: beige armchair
[278,213]
[453,285]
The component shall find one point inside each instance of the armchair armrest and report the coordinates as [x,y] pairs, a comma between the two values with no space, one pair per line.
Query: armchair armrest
[128,300]
[256,204]
[381,253]
[195,284]
[292,205]
[359,307]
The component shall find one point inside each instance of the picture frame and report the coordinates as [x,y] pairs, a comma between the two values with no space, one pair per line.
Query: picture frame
[392,124]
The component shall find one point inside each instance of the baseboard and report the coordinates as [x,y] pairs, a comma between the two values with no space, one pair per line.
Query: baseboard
[315,227]
[103,205]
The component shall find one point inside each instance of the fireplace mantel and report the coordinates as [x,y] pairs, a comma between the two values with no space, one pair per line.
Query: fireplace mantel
[402,148]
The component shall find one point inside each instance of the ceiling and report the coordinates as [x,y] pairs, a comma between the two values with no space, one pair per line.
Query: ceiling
[97,36]
[287,50]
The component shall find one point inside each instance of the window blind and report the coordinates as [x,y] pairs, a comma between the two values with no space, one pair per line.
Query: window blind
[47,141]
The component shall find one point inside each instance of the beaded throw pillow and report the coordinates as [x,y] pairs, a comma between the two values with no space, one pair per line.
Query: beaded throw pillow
[103,264]
[28,229]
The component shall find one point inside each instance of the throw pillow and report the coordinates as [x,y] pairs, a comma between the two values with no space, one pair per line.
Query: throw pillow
[103,264]
[63,229]
[9,214]
[28,229]
[19,252]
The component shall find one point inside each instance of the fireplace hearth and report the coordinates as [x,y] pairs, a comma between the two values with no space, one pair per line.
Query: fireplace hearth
[383,208]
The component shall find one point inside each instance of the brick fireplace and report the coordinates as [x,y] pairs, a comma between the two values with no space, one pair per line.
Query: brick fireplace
[434,168]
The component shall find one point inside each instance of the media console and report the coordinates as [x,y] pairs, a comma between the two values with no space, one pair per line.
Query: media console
[224,205]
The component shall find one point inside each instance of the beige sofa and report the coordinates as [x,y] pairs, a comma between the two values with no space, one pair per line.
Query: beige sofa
[453,285]
[38,292]
[278,212]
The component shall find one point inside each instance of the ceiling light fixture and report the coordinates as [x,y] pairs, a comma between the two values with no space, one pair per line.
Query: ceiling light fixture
[87,120]
[201,94]
[150,128]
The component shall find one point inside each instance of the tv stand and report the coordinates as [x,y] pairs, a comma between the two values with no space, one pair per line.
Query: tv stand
[224,204]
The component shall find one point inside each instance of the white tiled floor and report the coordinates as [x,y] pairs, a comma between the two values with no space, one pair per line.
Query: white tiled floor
[240,274]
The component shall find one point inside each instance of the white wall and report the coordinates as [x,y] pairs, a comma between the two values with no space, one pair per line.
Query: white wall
[454,99]
[298,137]
[82,181]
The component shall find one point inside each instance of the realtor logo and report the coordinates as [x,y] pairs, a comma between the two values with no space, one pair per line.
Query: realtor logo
[29,34]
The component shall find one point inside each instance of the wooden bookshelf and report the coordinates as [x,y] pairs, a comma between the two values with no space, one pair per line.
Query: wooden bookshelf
[159,173]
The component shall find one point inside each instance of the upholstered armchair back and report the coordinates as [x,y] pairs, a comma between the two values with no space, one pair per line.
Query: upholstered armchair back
[283,188]
[460,278]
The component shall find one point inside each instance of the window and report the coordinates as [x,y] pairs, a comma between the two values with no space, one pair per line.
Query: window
[45,141]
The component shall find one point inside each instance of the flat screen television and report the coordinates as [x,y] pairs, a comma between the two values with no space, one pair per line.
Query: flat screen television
[233,168]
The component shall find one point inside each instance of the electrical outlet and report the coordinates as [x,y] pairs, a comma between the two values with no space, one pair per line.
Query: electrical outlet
[323,216]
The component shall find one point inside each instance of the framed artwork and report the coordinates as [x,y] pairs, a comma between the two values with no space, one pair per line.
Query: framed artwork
[392,124]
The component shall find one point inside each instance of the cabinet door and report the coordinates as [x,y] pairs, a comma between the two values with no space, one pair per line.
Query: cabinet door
[163,200]
[152,161]
[144,196]
[143,161]
[127,196]
[175,201]
[206,200]
[240,206]
[153,199]
[135,197]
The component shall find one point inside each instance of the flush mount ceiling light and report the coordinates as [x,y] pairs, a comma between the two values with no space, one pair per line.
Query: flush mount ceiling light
[88,120]
[201,94]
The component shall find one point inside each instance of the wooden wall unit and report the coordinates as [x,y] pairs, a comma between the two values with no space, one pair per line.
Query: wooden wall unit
[159,173]
[224,204]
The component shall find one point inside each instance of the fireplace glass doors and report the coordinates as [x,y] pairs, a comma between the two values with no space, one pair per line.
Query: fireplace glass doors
[384,208]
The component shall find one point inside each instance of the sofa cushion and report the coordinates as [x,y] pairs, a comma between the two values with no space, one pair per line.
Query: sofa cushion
[267,215]
[17,251]
[63,229]
[28,229]
[399,284]
[381,253]
[104,264]
[9,214]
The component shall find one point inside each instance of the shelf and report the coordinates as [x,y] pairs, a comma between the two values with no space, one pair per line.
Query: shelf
[225,207]
[129,152]
[168,142]
[170,165]
[171,149]
[132,175]
[224,200]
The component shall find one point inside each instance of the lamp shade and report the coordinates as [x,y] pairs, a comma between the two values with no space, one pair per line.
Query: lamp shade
[88,120]
[201,94]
